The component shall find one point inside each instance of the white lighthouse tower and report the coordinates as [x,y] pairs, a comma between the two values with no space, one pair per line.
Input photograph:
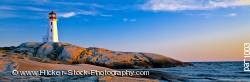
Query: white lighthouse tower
[52,32]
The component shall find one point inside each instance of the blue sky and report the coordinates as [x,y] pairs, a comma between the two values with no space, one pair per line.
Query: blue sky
[189,30]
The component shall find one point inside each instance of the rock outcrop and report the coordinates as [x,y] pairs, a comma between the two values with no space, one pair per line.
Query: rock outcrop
[13,61]
[72,54]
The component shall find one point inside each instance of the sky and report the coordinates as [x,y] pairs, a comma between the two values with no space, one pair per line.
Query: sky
[188,30]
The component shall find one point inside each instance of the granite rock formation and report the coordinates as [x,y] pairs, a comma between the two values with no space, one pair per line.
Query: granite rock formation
[71,54]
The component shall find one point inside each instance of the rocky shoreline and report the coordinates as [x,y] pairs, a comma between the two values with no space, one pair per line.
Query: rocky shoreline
[64,56]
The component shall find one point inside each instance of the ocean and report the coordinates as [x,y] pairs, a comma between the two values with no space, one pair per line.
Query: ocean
[209,72]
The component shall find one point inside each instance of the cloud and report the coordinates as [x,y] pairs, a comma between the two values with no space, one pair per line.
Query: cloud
[93,13]
[8,15]
[6,8]
[106,15]
[33,8]
[208,15]
[129,20]
[205,15]
[71,14]
[15,8]
[95,5]
[67,14]
[180,5]
[232,14]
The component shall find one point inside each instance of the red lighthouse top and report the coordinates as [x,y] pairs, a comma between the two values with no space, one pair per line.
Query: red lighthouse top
[52,15]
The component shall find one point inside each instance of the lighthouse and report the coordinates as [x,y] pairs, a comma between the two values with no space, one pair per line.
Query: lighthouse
[52,31]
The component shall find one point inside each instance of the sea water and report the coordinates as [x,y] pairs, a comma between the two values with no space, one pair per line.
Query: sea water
[210,72]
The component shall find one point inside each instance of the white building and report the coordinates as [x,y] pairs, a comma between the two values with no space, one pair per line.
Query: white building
[52,35]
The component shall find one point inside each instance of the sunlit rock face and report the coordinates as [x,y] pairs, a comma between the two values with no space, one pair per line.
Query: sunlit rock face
[71,54]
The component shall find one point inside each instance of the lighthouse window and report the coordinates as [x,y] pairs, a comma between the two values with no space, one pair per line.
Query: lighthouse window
[50,23]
